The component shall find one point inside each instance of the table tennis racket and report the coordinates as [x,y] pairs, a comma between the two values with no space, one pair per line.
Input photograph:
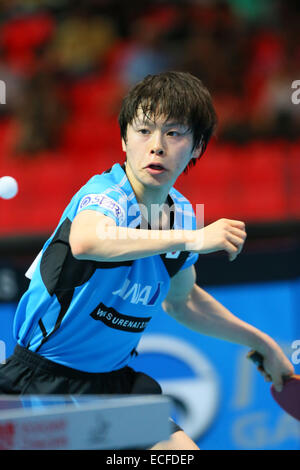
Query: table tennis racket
[289,398]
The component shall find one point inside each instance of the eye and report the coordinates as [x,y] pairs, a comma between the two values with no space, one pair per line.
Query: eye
[144,131]
[174,133]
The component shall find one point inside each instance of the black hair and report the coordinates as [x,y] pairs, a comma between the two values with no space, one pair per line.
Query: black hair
[175,95]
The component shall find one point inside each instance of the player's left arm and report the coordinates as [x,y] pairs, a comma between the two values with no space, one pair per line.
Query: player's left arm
[195,308]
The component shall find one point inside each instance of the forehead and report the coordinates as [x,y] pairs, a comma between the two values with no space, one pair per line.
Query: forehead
[157,119]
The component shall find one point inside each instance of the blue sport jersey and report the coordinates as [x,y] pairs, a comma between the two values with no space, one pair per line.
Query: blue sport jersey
[90,315]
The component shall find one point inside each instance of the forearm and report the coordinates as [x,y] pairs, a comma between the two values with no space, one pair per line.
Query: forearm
[94,236]
[114,243]
[204,314]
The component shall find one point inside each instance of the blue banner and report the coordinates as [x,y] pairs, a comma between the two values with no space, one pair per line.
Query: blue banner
[220,399]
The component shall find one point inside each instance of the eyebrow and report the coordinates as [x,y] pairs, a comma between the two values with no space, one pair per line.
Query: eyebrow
[171,124]
[148,122]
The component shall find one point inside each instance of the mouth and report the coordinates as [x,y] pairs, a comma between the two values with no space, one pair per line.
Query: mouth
[156,168]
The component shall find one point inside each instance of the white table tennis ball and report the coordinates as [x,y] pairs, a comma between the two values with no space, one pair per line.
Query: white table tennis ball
[8,187]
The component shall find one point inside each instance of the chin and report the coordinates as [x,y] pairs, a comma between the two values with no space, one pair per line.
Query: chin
[159,180]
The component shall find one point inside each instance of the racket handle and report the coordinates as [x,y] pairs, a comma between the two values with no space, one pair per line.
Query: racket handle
[258,360]
[256,357]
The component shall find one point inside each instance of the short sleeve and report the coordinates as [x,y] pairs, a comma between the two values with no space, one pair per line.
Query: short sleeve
[103,203]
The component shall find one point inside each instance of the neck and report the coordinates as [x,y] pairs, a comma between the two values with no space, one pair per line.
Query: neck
[148,198]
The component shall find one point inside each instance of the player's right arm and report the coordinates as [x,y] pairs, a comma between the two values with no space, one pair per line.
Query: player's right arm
[96,237]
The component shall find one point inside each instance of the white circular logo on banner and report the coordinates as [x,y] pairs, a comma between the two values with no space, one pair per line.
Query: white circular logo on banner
[197,397]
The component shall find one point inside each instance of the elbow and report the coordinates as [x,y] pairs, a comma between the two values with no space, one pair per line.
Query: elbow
[85,241]
[79,245]
[78,249]
[172,308]
[84,248]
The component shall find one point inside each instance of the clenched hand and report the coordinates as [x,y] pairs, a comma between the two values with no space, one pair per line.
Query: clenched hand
[224,234]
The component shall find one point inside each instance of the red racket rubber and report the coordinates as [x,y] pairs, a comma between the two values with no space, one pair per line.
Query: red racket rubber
[289,398]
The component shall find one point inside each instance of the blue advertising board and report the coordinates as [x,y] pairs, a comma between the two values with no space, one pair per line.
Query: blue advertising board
[220,399]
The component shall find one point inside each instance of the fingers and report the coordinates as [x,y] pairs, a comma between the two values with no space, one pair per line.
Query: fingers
[235,236]
[277,380]
[277,383]
[278,386]
[274,366]
[235,223]
[237,232]
[232,250]
[266,376]
[224,234]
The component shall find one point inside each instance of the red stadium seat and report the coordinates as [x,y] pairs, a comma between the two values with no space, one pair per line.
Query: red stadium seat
[98,96]
[245,182]
[21,36]
[212,183]
[91,134]
[261,177]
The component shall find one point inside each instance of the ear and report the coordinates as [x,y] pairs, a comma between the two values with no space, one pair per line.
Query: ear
[123,145]
[197,150]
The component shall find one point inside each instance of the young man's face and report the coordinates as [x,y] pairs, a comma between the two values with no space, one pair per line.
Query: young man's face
[157,152]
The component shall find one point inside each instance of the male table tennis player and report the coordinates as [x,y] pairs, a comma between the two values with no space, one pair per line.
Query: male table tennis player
[115,258]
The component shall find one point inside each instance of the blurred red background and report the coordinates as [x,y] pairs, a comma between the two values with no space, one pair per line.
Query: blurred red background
[67,67]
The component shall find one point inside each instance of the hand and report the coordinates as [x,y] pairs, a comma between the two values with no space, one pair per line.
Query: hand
[224,234]
[275,366]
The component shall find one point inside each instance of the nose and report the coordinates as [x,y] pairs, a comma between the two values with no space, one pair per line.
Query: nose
[156,147]
[157,151]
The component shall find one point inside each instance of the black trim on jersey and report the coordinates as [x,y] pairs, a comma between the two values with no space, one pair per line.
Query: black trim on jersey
[61,271]
[42,327]
[173,265]
[64,298]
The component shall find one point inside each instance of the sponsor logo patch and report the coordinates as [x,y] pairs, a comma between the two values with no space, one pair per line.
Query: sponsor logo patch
[104,201]
[110,317]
